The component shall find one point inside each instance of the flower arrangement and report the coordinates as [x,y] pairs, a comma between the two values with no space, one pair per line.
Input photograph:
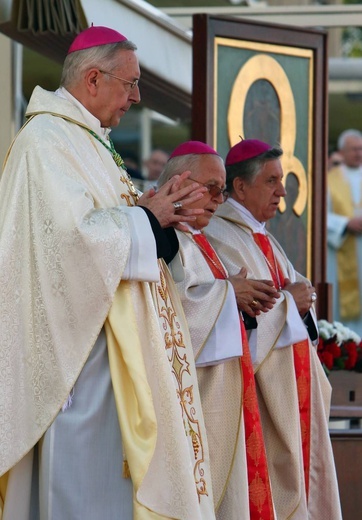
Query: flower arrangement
[339,348]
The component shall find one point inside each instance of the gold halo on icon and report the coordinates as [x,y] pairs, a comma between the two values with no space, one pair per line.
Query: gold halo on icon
[265,67]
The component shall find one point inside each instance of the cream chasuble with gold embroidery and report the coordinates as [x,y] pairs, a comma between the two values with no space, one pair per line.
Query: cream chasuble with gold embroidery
[234,243]
[66,241]
[210,306]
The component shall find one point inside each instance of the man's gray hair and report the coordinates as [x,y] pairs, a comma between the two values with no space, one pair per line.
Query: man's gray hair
[249,169]
[103,57]
[341,143]
[180,164]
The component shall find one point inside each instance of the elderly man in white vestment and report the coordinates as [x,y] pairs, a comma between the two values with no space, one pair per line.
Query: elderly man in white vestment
[226,380]
[293,391]
[344,226]
[100,416]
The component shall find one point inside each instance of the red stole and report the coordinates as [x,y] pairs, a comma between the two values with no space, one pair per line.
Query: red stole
[260,498]
[301,360]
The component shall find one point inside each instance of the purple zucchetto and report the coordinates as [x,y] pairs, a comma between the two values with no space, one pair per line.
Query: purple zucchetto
[246,149]
[192,147]
[95,36]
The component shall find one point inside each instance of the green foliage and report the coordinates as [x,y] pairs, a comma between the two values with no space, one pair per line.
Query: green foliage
[352,42]
[351,2]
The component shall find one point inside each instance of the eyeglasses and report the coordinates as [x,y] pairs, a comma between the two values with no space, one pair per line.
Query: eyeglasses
[214,190]
[132,83]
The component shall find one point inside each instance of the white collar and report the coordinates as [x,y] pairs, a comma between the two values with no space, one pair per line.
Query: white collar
[255,225]
[350,171]
[93,123]
[191,229]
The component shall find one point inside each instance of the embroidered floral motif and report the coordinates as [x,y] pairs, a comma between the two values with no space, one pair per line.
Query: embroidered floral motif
[180,367]
[250,400]
[300,351]
[257,492]
[254,446]
[175,348]
[303,389]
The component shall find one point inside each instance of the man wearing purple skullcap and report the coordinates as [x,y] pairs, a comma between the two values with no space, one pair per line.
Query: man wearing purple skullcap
[100,414]
[293,391]
[210,299]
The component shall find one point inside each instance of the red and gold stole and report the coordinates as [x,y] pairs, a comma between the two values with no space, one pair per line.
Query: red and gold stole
[260,497]
[301,360]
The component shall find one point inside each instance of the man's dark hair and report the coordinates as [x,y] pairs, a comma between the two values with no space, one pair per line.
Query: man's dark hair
[250,168]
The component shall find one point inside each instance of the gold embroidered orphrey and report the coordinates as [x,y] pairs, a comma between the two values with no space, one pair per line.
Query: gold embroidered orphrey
[176,354]
[175,347]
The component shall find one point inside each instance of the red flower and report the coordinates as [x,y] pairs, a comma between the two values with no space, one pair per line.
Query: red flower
[347,356]
[334,349]
[350,346]
[327,359]
[351,360]
[320,344]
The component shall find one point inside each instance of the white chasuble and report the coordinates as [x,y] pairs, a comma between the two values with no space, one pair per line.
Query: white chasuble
[211,309]
[67,235]
[274,370]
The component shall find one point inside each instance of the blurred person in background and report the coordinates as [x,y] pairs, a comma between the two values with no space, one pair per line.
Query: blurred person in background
[344,231]
[335,158]
[131,163]
[152,168]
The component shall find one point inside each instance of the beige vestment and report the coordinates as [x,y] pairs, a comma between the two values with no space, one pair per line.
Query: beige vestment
[277,392]
[203,298]
[67,233]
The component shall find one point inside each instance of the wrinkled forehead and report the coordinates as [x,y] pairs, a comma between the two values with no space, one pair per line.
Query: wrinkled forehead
[209,168]
[271,168]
